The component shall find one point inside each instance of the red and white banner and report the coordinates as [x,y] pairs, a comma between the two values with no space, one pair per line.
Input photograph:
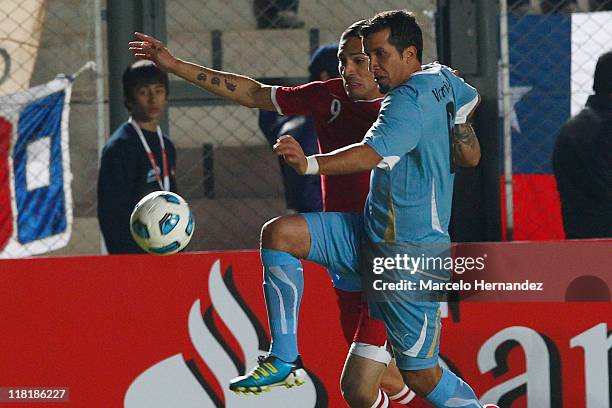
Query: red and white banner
[145,331]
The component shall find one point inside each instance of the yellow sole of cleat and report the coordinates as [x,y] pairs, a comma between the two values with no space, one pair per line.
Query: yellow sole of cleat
[295,379]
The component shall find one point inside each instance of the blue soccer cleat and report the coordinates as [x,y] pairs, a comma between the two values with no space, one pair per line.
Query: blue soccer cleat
[269,372]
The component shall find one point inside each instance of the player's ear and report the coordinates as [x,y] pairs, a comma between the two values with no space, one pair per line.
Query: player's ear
[409,53]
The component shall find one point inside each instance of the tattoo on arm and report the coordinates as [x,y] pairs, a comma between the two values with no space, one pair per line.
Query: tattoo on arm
[465,134]
[466,147]
[202,77]
[230,86]
[464,137]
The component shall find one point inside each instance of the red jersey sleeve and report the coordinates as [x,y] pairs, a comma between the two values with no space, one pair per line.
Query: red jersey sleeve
[298,100]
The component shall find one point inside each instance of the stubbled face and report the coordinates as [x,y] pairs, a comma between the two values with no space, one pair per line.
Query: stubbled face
[148,102]
[386,63]
[358,81]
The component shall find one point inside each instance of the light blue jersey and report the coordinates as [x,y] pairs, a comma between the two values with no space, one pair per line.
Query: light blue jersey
[411,189]
[407,211]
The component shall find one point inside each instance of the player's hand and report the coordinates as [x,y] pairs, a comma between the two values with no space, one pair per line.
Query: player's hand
[152,49]
[292,152]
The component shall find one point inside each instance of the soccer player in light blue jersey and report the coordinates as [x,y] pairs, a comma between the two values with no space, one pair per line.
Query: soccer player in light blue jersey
[409,150]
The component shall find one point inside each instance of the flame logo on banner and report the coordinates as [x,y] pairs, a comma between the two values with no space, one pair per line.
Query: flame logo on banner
[172,383]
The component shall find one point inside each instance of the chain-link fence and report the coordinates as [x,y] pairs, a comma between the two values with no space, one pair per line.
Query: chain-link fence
[38,41]
[271,41]
[225,167]
[550,50]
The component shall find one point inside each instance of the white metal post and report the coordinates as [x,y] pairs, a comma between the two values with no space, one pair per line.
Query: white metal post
[507,113]
[101,112]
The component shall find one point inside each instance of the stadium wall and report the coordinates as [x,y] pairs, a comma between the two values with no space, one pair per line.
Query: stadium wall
[147,331]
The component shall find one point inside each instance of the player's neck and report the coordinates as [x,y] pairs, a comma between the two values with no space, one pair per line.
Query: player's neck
[410,70]
[415,66]
[375,94]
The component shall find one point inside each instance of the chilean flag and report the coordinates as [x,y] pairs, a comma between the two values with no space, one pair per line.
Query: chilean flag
[552,61]
[35,176]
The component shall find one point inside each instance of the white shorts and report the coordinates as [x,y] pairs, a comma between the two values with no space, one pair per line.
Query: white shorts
[371,352]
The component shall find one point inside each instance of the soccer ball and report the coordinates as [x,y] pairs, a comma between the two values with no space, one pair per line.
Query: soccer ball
[162,223]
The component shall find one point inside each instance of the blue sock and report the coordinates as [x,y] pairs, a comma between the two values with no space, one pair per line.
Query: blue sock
[283,287]
[451,391]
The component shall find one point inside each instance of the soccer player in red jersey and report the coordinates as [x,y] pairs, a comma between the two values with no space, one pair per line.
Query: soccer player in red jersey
[343,110]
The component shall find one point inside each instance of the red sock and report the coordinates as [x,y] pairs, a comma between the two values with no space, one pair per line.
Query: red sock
[382,401]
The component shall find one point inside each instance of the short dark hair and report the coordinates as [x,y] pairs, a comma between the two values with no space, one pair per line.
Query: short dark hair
[403,27]
[602,80]
[142,73]
[353,31]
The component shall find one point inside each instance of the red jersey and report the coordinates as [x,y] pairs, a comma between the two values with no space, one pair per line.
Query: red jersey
[339,121]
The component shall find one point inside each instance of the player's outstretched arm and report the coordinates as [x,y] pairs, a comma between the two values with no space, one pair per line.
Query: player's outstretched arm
[238,88]
[466,148]
[350,159]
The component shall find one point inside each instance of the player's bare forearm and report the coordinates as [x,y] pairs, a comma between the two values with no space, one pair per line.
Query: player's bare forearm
[237,88]
[466,148]
[354,158]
